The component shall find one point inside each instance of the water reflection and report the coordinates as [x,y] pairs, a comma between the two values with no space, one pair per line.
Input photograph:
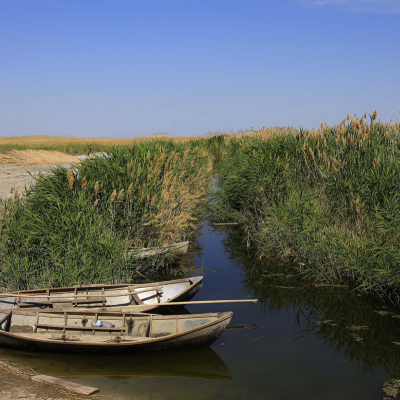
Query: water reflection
[299,342]
[363,329]
[201,363]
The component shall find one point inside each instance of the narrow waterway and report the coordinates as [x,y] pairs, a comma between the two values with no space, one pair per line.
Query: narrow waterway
[301,341]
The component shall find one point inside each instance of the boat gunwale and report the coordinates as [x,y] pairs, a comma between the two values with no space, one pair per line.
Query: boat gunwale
[112,312]
[97,286]
[171,300]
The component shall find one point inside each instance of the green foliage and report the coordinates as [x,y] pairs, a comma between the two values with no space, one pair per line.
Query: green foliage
[327,199]
[76,226]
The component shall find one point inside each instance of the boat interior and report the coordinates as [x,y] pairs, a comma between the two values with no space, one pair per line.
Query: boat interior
[77,326]
[95,296]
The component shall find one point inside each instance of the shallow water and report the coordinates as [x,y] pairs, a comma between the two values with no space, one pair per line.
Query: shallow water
[299,342]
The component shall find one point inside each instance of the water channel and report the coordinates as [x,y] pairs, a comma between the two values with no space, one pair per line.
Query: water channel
[301,341]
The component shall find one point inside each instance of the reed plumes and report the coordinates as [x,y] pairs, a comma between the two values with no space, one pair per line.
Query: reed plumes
[113,195]
[148,195]
[328,199]
[70,179]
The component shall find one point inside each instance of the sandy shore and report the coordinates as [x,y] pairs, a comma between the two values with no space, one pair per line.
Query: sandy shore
[17,176]
[16,384]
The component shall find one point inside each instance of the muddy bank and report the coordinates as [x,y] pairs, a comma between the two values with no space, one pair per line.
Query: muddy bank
[15,383]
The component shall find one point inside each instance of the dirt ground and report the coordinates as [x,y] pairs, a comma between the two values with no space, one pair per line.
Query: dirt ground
[19,386]
[36,157]
[17,176]
[17,167]
[12,387]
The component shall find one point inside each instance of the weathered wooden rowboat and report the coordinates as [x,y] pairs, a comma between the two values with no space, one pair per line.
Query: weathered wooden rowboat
[72,331]
[147,295]
[173,250]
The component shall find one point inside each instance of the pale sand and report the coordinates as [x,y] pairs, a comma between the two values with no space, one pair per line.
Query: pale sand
[36,157]
[16,177]
[16,168]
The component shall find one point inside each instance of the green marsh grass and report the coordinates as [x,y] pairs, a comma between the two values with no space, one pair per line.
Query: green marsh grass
[328,199]
[76,225]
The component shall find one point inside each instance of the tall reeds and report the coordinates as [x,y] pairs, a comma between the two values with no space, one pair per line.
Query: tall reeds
[328,199]
[77,225]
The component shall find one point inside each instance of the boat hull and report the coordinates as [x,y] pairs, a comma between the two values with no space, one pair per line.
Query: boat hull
[202,335]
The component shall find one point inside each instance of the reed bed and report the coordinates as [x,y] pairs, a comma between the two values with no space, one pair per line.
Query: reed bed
[76,225]
[73,145]
[328,199]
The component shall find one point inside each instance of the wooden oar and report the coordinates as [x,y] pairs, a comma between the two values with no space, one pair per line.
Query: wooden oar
[68,296]
[136,307]
[182,303]
[177,303]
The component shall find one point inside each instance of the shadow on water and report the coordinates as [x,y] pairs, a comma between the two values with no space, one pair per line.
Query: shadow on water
[194,363]
[365,330]
[299,342]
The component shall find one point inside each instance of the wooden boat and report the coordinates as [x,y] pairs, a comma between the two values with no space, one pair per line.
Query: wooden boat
[146,295]
[174,250]
[72,331]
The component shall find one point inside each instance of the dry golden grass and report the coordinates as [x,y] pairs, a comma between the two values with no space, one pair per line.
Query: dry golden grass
[37,157]
[74,144]
[60,140]
[83,144]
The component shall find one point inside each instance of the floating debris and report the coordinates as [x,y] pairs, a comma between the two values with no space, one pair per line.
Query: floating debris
[392,387]
[348,328]
[285,287]
[329,285]
[327,322]
[357,328]
[256,339]
[243,326]
[357,338]
[383,313]
[278,275]
[225,223]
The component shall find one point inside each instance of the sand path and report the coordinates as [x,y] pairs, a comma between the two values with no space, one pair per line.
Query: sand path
[18,168]
[17,176]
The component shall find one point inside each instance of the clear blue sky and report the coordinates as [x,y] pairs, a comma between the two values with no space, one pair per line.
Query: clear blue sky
[129,68]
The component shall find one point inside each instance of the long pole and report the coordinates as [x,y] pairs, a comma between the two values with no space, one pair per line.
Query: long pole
[68,296]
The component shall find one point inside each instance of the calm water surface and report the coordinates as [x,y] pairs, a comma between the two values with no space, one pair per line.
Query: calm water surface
[299,342]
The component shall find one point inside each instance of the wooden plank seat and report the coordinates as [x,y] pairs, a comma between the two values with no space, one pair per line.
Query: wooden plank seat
[35,303]
[78,328]
[48,303]
[5,318]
